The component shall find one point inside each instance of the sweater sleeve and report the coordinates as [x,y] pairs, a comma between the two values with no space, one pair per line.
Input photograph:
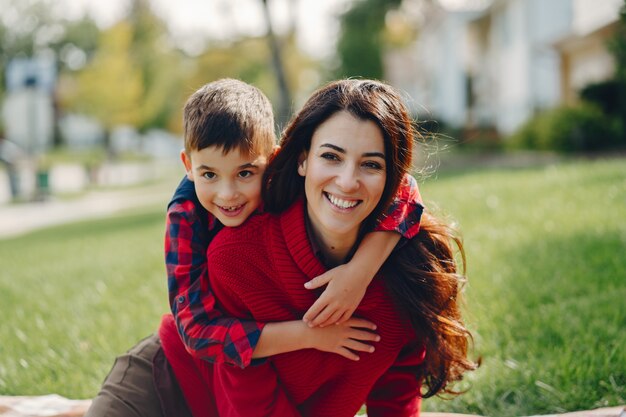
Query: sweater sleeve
[397,392]
[404,213]
[205,331]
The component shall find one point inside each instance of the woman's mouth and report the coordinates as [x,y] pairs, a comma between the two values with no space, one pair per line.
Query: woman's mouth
[341,203]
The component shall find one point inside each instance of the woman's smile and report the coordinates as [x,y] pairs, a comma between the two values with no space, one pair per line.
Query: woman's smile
[341,203]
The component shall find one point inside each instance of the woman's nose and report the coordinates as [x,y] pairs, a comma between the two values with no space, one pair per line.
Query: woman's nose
[347,179]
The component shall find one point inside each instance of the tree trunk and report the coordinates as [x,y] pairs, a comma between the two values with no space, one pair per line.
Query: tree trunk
[284,103]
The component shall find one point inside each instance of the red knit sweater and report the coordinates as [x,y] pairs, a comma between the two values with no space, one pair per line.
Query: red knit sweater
[257,271]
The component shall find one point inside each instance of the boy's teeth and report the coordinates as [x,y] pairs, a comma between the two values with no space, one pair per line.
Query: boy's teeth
[341,203]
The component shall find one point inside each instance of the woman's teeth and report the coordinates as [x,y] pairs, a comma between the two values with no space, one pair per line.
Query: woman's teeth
[342,203]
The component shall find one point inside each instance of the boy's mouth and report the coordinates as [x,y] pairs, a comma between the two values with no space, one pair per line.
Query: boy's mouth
[231,211]
[341,203]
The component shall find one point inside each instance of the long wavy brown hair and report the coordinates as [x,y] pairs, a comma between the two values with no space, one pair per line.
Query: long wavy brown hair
[423,277]
[425,280]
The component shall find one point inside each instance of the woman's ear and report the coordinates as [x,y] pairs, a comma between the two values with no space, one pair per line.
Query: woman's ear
[302,164]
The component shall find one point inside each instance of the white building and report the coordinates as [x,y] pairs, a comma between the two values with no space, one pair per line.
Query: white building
[496,63]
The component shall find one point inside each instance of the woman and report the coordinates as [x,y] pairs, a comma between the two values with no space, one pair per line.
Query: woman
[341,160]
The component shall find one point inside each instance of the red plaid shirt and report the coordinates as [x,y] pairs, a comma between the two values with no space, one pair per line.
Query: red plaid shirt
[205,331]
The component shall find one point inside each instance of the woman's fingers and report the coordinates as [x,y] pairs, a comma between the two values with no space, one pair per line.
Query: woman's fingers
[318,281]
[322,317]
[314,311]
[332,318]
[362,323]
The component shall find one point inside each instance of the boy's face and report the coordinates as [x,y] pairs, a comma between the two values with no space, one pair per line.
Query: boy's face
[227,185]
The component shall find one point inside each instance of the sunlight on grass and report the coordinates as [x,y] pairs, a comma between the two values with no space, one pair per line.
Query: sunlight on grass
[547,286]
[545,300]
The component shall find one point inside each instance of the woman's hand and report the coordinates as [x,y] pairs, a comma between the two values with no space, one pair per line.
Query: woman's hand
[354,335]
[341,297]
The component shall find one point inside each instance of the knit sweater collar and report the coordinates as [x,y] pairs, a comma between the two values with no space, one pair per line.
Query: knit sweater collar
[293,226]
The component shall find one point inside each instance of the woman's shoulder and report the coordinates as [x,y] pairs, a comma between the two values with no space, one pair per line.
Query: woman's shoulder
[249,232]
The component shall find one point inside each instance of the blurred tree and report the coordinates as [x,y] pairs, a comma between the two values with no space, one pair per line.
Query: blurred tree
[159,64]
[618,47]
[110,87]
[362,38]
[284,96]
[247,59]
[135,76]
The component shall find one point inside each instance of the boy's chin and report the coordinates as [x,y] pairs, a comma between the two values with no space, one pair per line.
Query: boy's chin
[231,221]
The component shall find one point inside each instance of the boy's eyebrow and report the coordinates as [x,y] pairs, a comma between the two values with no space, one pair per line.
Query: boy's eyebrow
[340,149]
[244,166]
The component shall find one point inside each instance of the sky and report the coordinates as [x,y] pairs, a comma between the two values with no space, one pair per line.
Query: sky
[315,19]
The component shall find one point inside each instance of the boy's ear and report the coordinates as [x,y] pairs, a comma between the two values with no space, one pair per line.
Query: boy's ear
[302,164]
[187,163]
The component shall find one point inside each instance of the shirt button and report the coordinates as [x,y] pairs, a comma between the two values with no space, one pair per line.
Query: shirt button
[181,299]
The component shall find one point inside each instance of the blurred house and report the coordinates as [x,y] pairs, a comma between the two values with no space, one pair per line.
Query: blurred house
[27,111]
[493,64]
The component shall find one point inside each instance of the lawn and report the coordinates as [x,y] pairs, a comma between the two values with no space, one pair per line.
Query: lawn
[546,295]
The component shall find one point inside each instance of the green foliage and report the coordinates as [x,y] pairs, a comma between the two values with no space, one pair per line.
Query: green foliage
[580,128]
[605,94]
[361,39]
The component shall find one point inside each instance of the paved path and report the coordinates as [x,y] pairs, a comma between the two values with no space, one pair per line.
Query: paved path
[20,218]
[57,406]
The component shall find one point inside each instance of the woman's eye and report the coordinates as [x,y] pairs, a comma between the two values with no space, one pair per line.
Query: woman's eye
[329,156]
[209,175]
[246,174]
[373,165]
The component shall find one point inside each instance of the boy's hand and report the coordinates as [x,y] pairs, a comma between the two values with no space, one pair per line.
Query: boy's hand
[341,297]
[345,338]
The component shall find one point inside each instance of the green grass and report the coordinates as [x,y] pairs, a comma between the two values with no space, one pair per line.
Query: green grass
[73,297]
[546,298]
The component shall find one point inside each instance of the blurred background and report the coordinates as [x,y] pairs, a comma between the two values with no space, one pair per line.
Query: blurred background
[86,84]
[523,108]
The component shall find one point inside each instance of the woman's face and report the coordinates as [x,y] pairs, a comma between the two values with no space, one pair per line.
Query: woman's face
[344,174]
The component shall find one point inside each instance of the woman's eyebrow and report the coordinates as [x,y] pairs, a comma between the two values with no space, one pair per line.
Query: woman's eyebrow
[340,149]
[374,154]
[331,146]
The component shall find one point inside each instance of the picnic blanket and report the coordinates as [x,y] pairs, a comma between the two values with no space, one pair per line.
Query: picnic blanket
[54,405]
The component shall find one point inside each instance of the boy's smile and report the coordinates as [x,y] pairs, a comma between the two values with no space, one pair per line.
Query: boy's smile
[227,185]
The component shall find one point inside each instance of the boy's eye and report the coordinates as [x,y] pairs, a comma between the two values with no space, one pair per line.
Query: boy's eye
[209,175]
[246,174]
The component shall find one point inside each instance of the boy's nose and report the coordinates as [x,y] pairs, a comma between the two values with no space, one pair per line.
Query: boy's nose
[228,192]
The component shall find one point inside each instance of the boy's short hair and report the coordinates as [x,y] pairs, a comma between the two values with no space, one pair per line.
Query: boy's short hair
[231,114]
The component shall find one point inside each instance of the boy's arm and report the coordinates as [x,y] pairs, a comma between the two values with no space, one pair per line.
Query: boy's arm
[345,339]
[347,283]
[204,330]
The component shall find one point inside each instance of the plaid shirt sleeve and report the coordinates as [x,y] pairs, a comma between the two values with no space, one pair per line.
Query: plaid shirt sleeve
[206,333]
[404,213]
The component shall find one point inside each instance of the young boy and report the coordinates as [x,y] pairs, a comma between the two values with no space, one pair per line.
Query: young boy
[229,136]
